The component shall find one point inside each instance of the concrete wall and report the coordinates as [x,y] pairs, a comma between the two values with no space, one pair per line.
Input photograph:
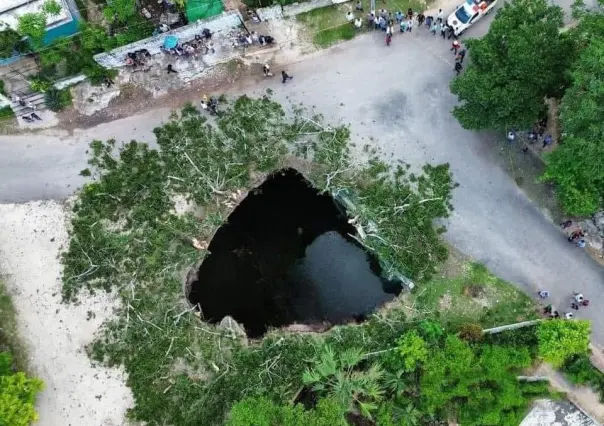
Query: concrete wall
[278,11]
[224,22]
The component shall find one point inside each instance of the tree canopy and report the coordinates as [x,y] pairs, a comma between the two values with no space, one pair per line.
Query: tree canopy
[560,340]
[522,59]
[577,165]
[10,40]
[33,25]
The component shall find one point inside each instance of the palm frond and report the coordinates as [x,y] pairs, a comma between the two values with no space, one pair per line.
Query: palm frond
[351,357]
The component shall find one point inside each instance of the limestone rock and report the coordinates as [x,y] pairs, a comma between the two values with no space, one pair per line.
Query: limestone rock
[599,220]
[590,227]
[228,323]
[595,242]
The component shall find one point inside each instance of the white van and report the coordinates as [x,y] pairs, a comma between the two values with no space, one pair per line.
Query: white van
[468,13]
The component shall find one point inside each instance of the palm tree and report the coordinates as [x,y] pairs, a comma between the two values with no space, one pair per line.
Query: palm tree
[336,376]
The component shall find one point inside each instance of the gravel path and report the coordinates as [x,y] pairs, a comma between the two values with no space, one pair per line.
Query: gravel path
[76,392]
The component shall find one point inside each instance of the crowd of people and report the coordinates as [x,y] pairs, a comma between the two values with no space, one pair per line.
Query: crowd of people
[398,21]
[577,301]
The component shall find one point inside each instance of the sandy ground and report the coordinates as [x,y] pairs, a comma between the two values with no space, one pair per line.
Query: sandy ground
[76,392]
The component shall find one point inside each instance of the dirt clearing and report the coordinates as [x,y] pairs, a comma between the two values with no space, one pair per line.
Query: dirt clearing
[55,335]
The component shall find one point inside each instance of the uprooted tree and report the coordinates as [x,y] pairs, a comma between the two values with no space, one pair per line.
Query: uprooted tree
[126,235]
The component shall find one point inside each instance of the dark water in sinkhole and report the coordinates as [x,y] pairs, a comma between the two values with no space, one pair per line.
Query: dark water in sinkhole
[285,255]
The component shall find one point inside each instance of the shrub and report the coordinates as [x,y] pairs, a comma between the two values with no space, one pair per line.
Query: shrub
[6,112]
[263,412]
[471,333]
[17,395]
[40,84]
[559,340]
[57,100]
[412,349]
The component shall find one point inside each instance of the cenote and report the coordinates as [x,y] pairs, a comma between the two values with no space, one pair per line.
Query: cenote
[284,256]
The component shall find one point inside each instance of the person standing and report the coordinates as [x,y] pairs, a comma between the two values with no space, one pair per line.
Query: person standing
[547,141]
[285,76]
[458,67]
[454,47]
[461,55]
[439,16]
[543,294]
[420,19]
[409,25]
[433,28]
[443,30]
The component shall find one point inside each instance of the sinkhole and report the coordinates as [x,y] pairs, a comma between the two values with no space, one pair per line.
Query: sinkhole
[284,256]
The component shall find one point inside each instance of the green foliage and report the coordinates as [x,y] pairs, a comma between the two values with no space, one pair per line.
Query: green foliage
[17,395]
[119,10]
[57,100]
[431,330]
[40,84]
[500,88]
[577,165]
[560,339]
[10,41]
[579,370]
[263,412]
[412,349]
[6,112]
[74,55]
[33,25]
[51,7]
[480,384]
[335,375]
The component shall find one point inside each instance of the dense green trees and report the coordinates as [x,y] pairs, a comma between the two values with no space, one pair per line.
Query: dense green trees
[577,165]
[522,59]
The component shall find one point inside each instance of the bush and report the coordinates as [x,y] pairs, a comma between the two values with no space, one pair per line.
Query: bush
[263,412]
[6,112]
[471,333]
[17,395]
[560,340]
[579,370]
[57,100]
[40,84]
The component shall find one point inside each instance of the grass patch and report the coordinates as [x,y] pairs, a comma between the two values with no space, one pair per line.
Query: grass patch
[476,296]
[328,25]
[6,112]
[9,337]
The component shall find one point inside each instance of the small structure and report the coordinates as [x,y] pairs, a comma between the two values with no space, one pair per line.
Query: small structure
[63,24]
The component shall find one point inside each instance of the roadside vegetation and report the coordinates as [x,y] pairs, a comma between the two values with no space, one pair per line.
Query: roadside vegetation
[499,90]
[17,390]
